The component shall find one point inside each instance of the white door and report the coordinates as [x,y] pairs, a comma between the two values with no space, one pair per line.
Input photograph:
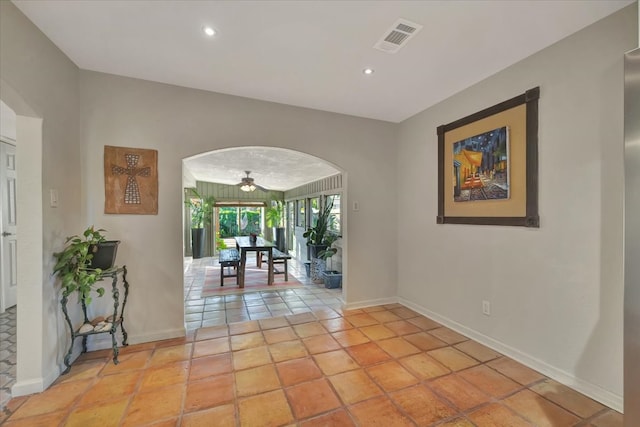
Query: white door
[8,238]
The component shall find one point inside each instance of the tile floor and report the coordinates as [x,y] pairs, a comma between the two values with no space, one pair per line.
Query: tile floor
[251,305]
[7,354]
[379,366]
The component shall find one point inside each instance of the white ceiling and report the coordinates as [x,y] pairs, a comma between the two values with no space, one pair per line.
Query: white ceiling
[308,54]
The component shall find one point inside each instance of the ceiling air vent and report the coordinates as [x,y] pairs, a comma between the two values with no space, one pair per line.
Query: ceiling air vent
[397,36]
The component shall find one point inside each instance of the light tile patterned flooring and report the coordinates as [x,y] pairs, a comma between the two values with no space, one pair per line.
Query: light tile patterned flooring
[379,366]
[7,354]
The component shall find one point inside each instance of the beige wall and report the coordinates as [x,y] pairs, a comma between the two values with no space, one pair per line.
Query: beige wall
[41,85]
[181,122]
[556,291]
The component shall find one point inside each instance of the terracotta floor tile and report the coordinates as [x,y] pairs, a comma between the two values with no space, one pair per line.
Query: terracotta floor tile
[391,376]
[296,319]
[297,371]
[273,323]
[339,418]
[490,381]
[452,358]
[458,422]
[224,416]
[251,358]
[244,327]
[210,366]
[104,415]
[374,309]
[309,329]
[404,312]
[155,405]
[273,336]
[567,398]
[496,415]
[248,340]
[424,323]
[477,351]
[82,371]
[385,316]
[57,398]
[111,387]
[169,374]
[312,398]
[325,313]
[398,347]
[354,386]
[447,335]
[256,380]
[210,347]
[402,327]
[267,409]
[424,341]
[136,347]
[287,350]
[212,332]
[360,320]
[350,337]
[379,412]
[336,325]
[367,354]
[459,392]
[335,362]
[424,366]
[516,371]
[162,356]
[128,362]
[610,418]
[377,332]
[209,392]
[539,410]
[44,420]
[321,344]
[352,312]
[422,405]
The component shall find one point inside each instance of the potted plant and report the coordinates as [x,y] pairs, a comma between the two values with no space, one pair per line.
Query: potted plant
[201,210]
[332,278]
[319,238]
[274,215]
[74,264]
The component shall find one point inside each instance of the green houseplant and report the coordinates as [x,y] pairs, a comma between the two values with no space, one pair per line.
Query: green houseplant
[319,239]
[201,211]
[274,215]
[73,265]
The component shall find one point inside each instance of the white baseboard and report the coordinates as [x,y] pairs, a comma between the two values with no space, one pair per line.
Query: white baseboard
[370,303]
[35,385]
[594,391]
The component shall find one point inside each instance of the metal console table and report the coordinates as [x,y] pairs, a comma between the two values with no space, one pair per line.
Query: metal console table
[118,319]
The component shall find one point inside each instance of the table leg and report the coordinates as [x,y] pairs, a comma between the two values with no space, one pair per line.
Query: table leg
[243,262]
[270,262]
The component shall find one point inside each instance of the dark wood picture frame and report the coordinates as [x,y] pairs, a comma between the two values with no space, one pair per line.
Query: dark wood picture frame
[530,209]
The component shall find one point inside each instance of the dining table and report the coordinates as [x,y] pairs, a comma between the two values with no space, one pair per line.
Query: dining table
[246,244]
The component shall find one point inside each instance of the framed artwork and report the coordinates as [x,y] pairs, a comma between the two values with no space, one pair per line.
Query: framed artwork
[488,165]
[130,181]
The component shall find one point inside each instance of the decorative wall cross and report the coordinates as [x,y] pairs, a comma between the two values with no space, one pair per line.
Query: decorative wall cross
[132,191]
[138,193]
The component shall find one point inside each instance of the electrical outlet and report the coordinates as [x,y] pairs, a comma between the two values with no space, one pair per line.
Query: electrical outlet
[486,308]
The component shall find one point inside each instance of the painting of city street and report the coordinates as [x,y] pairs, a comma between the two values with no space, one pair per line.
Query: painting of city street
[481,167]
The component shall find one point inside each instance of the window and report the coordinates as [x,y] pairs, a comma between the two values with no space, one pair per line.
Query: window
[335,221]
[300,219]
[314,205]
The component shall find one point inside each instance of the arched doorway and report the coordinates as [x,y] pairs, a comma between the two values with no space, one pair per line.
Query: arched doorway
[300,182]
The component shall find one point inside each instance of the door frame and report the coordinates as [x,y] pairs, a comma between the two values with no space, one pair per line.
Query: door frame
[3,301]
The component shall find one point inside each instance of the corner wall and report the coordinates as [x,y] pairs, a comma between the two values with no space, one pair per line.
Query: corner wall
[556,291]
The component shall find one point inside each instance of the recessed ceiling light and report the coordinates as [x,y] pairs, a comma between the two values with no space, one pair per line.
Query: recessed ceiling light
[368,71]
[209,31]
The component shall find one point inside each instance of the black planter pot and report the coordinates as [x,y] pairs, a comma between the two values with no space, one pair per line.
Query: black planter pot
[314,250]
[104,254]
[197,242]
[278,235]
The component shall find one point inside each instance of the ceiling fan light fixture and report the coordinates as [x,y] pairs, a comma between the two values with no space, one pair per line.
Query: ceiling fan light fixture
[248,187]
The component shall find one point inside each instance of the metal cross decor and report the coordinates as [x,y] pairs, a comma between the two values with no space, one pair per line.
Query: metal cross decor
[132,191]
[138,193]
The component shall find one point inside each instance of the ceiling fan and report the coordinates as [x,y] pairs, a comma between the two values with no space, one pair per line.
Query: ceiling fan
[247,184]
